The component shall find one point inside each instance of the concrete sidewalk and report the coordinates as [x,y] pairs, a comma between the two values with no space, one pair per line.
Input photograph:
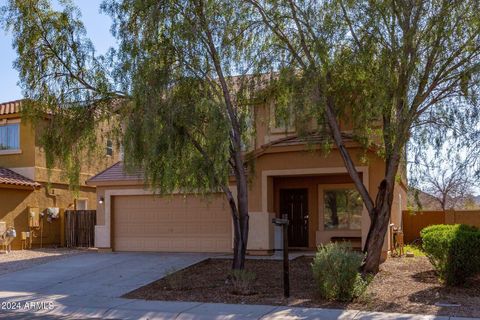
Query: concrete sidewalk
[118,308]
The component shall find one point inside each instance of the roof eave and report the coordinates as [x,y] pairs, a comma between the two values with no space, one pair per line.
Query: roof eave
[113,183]
[19,186]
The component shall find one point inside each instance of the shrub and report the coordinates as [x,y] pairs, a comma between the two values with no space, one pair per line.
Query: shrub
[335,269]
[242,281]
[453,250]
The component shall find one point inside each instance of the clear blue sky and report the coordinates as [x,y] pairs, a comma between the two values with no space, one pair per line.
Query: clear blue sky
[98,30]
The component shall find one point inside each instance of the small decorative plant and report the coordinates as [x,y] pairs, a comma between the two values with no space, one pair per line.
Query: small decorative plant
[242,281]
[336,272]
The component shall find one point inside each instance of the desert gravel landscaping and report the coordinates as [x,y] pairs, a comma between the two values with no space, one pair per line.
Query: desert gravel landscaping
[22,259]
[404,285]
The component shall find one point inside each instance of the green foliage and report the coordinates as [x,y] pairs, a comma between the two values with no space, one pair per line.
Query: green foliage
[415,249]
[454,251]
[242,281]
[336,272]
[162,82]
[181,132]
[66,86]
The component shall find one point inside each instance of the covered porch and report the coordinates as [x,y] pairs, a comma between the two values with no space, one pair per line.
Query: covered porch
[321,204]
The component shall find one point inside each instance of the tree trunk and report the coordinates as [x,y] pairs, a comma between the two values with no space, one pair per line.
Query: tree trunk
[240,220]
[378,228]
[241,240]
[332,204]
[380,216]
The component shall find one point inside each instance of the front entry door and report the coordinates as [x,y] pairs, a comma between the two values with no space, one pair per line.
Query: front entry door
[294,203]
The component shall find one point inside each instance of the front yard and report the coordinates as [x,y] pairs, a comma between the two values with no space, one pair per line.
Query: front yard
[406,285]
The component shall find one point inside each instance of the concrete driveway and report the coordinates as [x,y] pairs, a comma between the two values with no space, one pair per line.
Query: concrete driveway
[91,280]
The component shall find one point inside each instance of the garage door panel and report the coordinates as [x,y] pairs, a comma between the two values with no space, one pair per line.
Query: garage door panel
[174,224]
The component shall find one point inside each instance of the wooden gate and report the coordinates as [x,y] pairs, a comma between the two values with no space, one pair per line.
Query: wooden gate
[80,228]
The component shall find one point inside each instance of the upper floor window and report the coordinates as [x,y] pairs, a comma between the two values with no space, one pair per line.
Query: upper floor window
[109,148]
[343,209]
[9,136]
[282,119]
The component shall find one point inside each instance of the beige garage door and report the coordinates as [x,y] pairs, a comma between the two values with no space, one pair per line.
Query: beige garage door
[172,224]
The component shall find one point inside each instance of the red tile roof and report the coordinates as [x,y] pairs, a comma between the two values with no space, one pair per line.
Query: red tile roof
[10,107]
[116,173]
[10,177]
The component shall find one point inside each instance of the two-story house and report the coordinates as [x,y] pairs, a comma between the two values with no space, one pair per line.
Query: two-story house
[27,190]
[292,176]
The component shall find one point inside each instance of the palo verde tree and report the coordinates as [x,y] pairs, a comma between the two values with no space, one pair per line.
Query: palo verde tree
[384,66]
[184,117]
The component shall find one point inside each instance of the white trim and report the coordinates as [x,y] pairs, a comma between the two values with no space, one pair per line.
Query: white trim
[9,121]
[10,151]
[321,205]
[81,199]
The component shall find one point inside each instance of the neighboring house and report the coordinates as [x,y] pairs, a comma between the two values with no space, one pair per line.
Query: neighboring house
[24,196]
[292,176]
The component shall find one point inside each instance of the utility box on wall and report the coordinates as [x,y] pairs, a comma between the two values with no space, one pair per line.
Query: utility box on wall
[33,217]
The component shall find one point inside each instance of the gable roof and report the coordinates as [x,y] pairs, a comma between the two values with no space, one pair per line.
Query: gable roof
[313,138]
[10,177]
[10,107]
[116,173]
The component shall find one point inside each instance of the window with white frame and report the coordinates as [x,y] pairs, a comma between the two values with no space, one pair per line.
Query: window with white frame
[82,204]
[342,209]
[282,119]
[109,148]
[9,136]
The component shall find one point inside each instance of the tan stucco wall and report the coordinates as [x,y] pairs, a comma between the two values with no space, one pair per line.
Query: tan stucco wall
[265,125]
[90,166]
[14,205]
[399,204]
[294,158]
[261,229]
[308,160]
[32,159]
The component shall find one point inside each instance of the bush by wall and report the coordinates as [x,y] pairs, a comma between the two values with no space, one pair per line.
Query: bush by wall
[335,269]
[454,251]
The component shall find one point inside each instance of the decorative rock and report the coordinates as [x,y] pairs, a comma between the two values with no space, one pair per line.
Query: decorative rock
[409,254]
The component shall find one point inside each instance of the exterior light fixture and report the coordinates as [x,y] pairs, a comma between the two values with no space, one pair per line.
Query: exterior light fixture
[101,200]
